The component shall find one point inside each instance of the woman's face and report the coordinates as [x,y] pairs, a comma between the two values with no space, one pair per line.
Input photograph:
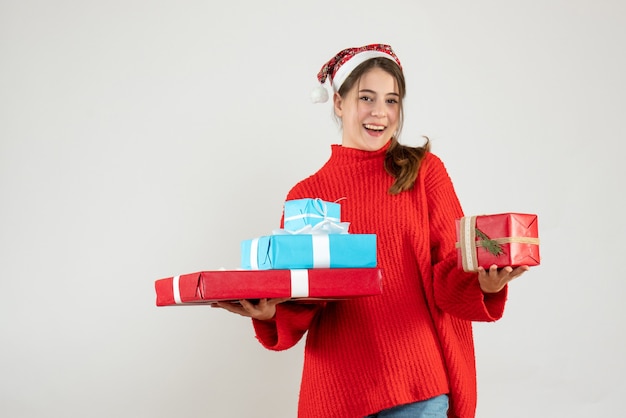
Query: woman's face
[369,111]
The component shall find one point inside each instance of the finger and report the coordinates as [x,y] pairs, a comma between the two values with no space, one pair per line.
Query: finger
[519,271]
[276,301]
[225,304]
[505,272]
[248,306]
[233,307]
[494,273]
[252,310]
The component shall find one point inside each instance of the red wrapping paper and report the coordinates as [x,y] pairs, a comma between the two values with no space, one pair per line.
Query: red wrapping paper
[516,235]
[210,286]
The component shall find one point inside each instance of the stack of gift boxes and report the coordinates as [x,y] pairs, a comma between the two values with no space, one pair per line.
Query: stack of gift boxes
[312,257]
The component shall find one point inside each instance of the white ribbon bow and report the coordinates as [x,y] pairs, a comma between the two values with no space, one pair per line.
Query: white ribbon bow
[319,206]
[325,227]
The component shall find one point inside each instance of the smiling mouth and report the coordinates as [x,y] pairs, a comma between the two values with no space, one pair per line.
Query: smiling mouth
[377,128]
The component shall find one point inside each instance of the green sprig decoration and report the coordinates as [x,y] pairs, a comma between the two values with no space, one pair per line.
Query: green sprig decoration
[490,245]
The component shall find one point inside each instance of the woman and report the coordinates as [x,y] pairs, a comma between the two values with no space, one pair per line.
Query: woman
[408,352]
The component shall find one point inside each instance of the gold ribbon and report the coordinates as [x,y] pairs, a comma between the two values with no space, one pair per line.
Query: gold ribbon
[509,240]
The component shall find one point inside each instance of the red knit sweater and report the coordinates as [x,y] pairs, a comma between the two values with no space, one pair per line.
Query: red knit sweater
[415,340]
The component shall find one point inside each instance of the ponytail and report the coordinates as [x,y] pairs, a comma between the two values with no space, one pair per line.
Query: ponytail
[403,163]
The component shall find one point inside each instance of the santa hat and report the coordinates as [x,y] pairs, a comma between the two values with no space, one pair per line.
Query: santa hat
[341,65]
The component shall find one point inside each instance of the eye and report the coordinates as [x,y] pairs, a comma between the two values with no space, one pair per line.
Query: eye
[365,98]
[392,101]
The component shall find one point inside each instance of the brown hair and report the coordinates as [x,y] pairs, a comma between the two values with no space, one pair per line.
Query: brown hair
[401,161]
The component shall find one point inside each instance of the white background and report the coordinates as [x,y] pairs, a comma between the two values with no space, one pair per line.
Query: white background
[139,140]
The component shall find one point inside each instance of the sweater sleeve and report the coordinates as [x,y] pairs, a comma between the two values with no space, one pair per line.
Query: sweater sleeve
[456,292]
[287,327]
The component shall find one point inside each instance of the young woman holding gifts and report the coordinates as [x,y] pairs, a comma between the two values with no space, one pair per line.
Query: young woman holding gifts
[408,352]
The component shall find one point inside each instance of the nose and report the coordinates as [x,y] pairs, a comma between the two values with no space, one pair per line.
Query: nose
[378,112]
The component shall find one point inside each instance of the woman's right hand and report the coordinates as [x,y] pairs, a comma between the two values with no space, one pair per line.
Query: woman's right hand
[264,310]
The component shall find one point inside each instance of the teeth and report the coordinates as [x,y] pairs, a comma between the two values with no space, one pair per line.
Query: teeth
[375,127]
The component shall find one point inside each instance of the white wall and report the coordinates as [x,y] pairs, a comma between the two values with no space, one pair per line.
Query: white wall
[139,140]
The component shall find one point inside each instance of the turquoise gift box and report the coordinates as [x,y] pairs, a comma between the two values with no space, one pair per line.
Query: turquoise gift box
[307,251]
[300,213]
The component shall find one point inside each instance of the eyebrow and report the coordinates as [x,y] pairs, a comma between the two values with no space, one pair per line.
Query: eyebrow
[373,92]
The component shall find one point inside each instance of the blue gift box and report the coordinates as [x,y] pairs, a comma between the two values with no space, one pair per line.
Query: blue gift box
[308,251]
[299,213]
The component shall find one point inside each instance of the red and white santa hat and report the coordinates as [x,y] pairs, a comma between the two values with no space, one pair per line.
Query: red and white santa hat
[339,67]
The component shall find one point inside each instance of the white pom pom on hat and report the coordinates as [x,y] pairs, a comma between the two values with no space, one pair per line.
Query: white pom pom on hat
[339,67]
[319,94]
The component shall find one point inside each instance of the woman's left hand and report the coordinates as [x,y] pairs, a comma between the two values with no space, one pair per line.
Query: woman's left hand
[495,279]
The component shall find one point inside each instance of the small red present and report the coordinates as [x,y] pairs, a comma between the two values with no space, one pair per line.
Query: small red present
[505,239]
[210,286]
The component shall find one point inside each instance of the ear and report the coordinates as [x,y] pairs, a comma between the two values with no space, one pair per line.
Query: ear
[338,104]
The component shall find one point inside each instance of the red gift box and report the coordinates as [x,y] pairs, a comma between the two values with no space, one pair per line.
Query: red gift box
[505,239]
[210,286]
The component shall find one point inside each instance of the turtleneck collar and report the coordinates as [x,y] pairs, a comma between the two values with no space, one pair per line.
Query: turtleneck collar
[341,154]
